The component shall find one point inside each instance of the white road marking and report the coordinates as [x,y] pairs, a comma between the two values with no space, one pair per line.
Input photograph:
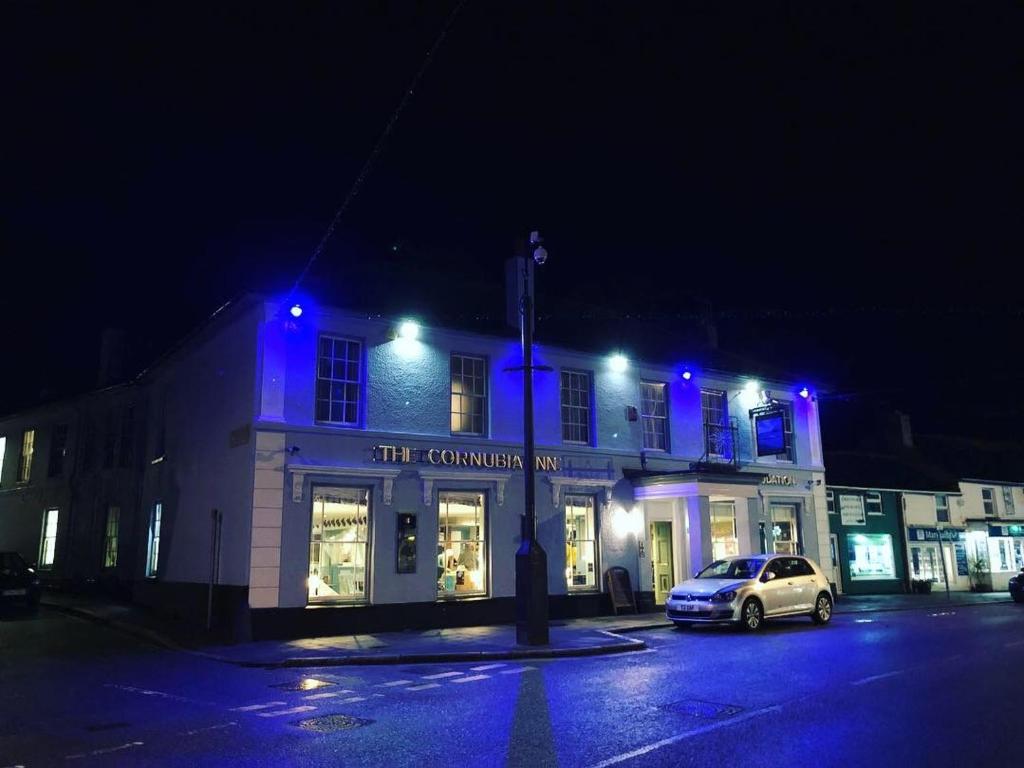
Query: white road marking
[422,687]
[318,696]
[17,765]
[393,683]
[865,680]
[254,707]
[106,751]
[147,692]
[515,671]
[684,735]
[209,728]
[471,678]
[486,667]
[292,711]
[441,675]
[352,700]
[1014,644]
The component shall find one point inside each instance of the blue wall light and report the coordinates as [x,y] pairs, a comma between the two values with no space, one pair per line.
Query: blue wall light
[296,310]
[804,393]
[687,374]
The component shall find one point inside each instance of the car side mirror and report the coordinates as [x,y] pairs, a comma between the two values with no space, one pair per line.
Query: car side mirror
[768,576]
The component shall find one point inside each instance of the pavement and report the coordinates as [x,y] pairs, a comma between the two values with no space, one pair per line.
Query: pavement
[568,638]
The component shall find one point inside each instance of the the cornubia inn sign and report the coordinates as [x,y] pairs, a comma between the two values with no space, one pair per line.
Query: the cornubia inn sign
[397,454]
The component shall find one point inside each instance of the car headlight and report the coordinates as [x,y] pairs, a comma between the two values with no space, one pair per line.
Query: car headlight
[723,597]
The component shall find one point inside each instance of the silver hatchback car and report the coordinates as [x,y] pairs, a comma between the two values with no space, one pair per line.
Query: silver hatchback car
[746,590]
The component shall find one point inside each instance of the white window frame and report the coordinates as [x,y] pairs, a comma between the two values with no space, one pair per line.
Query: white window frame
[156,516]
[589,503]
[990,503]
[472,396]
[944,506]
[649,416]
[710,399]
[110,537]
[1008,506]
[830,501]
[28,449]
[345,382]
[365,503]
[873,499]
[483,552]
[849,500]
[718,542]
[583,408]
[48,538]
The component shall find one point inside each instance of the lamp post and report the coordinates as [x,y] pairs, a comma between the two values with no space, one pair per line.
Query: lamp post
[531,561]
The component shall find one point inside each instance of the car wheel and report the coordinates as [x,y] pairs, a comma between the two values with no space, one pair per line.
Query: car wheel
[751,615]
[822,613]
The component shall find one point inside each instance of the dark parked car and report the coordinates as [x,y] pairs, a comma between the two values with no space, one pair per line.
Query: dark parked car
[1017,587]
[19,584]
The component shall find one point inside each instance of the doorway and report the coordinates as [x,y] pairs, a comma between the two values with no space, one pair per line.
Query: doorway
[785,531]
[661,560]
[837,575]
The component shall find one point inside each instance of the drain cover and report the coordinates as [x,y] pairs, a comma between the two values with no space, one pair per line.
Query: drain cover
[704,709]
[305,684]
[332,723]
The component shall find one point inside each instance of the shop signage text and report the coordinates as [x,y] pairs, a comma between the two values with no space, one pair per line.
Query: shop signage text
[778,480]
[933,534]
[397,454]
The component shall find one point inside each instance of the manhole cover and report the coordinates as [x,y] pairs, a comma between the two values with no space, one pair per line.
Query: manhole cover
[305,684]
[106,726]
[332,723]
[704,709]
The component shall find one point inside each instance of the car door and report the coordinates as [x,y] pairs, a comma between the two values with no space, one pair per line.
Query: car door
[800,576]
[774,591]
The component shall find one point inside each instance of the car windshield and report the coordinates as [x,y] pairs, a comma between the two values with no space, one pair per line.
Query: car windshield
[741,568]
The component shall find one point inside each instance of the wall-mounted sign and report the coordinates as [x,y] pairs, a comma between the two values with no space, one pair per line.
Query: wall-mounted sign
[933,534]
[778,480]
[397,454]
[1006,530]
[771,432]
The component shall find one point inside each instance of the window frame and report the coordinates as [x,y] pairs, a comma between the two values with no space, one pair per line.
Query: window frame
[654,419]
[156,517]
[58,450]
[944,506]
[359,382]
[484,398]
[484,542]
[830,501]
[111,537]
[364,599]
[870,498]
[45,565]
[28,450]
[595,541]
[735,538]
[1009,508]
[860,503]
[789,455]
[3,457]
[588,424]
[991,502]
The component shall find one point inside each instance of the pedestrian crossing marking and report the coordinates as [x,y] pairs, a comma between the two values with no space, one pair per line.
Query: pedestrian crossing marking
[422,687]
[485,667]
[292,711]
[317,696]
[471,678]
[352,700]
[442,675]
[515,671]
[394,683]
[254,707]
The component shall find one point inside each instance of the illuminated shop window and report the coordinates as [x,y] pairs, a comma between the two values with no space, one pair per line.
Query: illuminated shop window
[461,553]
[870,556]
[724,542]
[153,550]
[1018,553]
[580,543]
[338,380]
[575,398]
[1001,554]
[469,395]
[786,539]
[925,564]
[654,415]
[110,537]
[28,443]
[338,542]
[48,540]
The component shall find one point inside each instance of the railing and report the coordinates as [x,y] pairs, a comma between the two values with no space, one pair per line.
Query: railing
[721,444]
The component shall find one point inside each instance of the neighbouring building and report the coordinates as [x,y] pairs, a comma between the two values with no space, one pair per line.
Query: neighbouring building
[994,516]
[327,473]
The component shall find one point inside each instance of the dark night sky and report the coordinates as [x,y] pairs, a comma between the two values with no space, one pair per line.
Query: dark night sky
[841,181]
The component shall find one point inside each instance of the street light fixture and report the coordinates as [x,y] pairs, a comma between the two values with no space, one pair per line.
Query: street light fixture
[531,560]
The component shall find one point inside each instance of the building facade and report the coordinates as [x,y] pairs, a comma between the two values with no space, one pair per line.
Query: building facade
[993,514]
[866,540]
[326,474]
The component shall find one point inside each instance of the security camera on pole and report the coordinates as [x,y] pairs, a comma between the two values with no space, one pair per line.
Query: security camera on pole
[531,561]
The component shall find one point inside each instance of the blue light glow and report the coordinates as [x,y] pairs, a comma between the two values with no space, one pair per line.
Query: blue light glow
[687,374]
[296,310]
[805,393]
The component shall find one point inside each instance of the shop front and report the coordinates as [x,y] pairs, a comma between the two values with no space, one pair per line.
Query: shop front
[867,531]
[995,553]
[935,554]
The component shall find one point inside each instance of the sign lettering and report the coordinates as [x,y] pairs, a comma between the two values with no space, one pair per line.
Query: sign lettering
[397,454]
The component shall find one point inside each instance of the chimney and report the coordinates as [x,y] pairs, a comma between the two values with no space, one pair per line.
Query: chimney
[113,354]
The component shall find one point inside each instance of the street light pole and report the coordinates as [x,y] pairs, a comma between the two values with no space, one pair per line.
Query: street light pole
[531,561]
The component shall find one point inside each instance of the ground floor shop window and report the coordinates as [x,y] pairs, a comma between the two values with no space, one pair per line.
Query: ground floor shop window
[338,543]
[925,564]
[1001,554]
[580,543]
[48,540]
[461,553]
[870,556]
[786,537]
[1018,553]
[724,542]
[153,550]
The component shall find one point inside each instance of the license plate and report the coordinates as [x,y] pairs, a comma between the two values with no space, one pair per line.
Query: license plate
[14,592]
[691,607]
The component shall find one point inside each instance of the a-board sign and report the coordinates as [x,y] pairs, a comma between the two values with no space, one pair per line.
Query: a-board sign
[619,589]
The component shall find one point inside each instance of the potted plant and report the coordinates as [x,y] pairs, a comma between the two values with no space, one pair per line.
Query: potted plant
[921,586]
[981,579]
